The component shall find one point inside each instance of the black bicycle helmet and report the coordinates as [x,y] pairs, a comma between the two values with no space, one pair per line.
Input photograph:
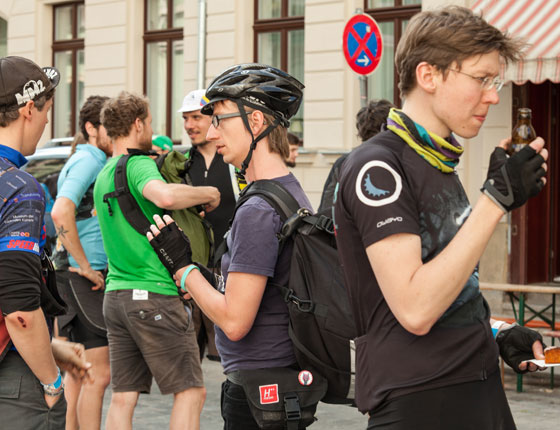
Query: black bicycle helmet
[258,86]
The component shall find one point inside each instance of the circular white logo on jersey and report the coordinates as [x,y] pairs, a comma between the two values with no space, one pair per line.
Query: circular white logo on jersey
[305,377]
[378,184]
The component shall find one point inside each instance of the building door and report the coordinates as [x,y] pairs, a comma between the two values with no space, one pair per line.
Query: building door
[535,236]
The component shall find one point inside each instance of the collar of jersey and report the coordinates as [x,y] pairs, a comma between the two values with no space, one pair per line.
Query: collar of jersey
[13,156]
[93,150]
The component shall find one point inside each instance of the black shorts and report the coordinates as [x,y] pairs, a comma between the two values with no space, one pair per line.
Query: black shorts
[83,323]
[77,331]
[467,406]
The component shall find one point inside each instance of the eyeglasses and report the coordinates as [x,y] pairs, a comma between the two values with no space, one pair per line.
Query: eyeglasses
[485,83]
[217,118]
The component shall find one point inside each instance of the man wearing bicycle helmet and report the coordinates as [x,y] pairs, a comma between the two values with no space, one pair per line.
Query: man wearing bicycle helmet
[250,106]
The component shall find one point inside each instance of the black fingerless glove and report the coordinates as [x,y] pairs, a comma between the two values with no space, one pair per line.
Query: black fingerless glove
[516,345]
[173,248]
[511,181]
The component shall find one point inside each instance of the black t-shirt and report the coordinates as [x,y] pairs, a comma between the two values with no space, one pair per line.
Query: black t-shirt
[217,175]
[387,188]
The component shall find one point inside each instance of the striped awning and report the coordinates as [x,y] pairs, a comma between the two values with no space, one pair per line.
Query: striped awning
[537,22]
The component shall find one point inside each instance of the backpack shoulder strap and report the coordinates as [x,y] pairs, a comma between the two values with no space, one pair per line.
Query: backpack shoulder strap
[128,204]
[274,193]
[160,160]
[187,167]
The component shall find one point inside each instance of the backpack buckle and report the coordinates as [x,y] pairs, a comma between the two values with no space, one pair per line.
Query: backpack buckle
[325,223]
[302,305]
[291,406]
[292,223]
[106,200]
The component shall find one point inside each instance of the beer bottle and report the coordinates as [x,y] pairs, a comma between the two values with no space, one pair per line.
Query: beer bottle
[523,132]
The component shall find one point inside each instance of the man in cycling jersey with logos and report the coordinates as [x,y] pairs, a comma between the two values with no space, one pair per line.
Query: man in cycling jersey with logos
[32,392]
[409,241]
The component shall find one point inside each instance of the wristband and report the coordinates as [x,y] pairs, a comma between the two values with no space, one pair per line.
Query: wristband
[185,274]
[54,388]
[496,327]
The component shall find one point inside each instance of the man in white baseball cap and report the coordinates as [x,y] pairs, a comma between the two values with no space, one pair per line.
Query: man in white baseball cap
[207,167]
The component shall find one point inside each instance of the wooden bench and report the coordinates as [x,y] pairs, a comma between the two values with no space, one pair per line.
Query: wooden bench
[534,324]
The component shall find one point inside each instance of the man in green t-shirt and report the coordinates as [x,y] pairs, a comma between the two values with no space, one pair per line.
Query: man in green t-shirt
[149,330]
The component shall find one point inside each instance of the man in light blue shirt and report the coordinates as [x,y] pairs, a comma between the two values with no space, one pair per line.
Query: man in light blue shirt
[80,261]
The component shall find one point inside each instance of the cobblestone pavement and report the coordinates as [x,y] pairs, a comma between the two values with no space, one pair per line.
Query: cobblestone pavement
[537,407]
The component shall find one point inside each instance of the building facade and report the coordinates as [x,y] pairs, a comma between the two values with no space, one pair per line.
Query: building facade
[165,48]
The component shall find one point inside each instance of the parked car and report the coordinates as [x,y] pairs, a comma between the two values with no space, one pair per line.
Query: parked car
[46,161]
[58,141]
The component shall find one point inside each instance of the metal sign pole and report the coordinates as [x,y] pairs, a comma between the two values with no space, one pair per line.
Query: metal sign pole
[363,90]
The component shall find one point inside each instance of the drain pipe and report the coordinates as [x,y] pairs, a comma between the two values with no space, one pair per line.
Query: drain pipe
[201,72]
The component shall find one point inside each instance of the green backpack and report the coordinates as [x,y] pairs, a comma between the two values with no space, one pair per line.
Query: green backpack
[173,166]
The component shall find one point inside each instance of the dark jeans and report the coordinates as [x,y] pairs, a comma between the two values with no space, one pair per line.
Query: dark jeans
[22,401]
[235,409]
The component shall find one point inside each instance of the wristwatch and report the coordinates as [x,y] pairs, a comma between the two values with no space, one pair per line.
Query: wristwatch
[55,388]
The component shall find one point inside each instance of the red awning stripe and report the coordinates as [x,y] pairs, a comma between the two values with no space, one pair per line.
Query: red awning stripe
[545,30]
[537,22]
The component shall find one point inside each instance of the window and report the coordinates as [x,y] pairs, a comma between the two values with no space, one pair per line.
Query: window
[163,64]
[3,37]
[392,17]
[279,41]
[68,58]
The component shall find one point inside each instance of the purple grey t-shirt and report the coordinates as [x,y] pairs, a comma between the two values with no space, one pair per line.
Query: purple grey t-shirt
[253,248]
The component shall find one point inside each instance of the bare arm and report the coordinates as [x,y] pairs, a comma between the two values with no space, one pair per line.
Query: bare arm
[64,218]
[30,335]
[179,196]
[235,311]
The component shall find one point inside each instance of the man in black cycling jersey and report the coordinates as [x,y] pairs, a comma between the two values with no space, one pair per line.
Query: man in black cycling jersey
[409,241]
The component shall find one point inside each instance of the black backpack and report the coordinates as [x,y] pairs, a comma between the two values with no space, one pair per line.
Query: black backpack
[173,167]
[322,327]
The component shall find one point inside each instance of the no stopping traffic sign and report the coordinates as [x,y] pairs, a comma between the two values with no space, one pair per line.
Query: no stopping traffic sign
[362,44]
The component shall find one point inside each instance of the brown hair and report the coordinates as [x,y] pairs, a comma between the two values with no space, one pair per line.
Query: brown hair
[277,138]
[79,139]
[370,118]
[8,117]
[91,112]
[294,140]
[119,113]
[444,36]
